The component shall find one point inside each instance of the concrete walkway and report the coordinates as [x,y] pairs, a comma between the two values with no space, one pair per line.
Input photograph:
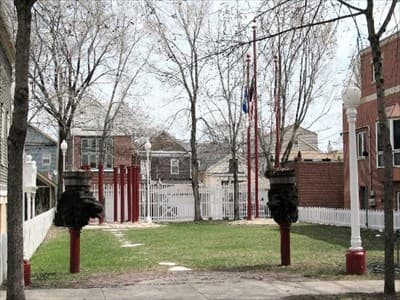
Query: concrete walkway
[244,289]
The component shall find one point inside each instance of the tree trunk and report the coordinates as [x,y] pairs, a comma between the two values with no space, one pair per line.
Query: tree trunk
[374,40]
[16,141]
[388,170]
[195,164]
[62,135]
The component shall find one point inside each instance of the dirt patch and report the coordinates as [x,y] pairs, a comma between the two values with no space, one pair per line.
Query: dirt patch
[166,277]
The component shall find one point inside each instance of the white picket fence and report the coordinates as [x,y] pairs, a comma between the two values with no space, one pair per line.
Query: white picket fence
[176,202]
[35,231]
[372,219]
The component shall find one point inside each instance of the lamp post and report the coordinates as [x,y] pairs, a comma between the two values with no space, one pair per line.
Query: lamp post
[63,147]
[355,255]
[147,147]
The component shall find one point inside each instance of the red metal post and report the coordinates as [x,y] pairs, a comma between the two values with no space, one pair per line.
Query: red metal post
[129,187]
[249,208]
[101,191]
[122,185]
[137,192]
[255,121]
[74,250]
[133,182]
[285,243]
[115,181]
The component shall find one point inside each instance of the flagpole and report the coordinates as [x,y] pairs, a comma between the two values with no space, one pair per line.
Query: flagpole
[277,114]
[255,120]
[249,210]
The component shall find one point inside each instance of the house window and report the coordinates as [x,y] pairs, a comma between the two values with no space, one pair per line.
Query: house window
[174,166]
[397,201]
[46,159]
[394,127]
[90,152]
[361,144]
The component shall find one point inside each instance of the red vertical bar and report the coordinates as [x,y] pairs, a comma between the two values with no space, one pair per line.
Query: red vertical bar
[137,192]
[249,210]
[74,250]
[122,184]
[133,193]
[129,183]
[115,181]
[101,191]
[255,121]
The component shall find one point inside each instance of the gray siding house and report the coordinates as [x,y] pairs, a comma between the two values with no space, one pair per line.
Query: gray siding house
[43,150]
[7,57]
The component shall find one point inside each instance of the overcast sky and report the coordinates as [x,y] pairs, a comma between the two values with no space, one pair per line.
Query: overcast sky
[328,128]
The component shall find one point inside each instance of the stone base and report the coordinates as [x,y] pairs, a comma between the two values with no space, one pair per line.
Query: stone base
[356,261]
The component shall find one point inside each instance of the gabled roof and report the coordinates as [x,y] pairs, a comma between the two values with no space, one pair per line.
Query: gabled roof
[222,165]
[210,153]
[289,129]
[165,142]
[45,138]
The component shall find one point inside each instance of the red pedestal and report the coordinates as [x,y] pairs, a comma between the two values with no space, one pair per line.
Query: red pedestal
[355,262]
[27,272]
[285,243]
[74,250]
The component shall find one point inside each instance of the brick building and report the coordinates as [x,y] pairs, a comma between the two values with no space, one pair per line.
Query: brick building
[369,151]
[319,183]
[169,159]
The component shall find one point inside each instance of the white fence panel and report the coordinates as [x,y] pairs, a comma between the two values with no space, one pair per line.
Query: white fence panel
[35,231]
[175,202]
[373,219]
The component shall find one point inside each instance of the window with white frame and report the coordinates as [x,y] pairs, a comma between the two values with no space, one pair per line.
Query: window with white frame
[90,152]
[174,166]
[46,159]
[361,144]
[397,201]
[394,127]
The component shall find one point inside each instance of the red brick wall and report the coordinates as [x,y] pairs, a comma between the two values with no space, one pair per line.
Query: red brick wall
[368,174]
[319,183]
[122,151]
[391,57]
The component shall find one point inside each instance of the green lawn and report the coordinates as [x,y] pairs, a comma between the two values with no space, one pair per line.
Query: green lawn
[317,251]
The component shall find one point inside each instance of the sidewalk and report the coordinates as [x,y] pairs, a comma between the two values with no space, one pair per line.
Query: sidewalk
[238,290]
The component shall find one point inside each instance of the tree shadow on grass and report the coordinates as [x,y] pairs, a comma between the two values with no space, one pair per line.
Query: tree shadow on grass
[371,239]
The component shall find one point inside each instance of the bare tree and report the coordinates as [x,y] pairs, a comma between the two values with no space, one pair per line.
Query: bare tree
[74,46]
[301,56]
[225,98]
[374,37]
[16,141]
[181,47]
